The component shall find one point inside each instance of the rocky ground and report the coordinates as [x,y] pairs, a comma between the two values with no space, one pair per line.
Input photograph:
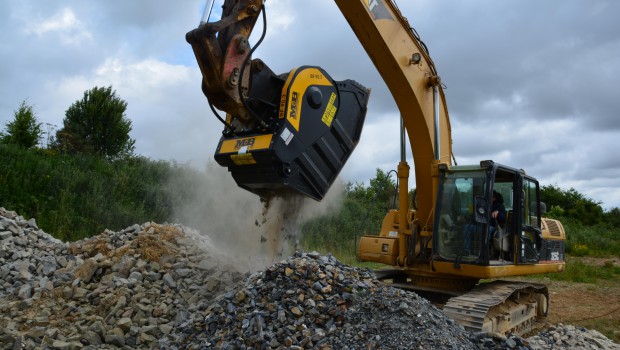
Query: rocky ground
[156,286]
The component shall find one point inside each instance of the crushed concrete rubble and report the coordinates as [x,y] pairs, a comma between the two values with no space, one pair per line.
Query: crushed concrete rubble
[311,301]
[157,286]
[570,337]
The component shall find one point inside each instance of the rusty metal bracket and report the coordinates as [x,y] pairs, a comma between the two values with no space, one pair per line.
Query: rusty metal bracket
[221,49]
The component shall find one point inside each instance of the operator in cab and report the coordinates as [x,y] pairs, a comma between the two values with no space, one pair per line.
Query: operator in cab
[498,213]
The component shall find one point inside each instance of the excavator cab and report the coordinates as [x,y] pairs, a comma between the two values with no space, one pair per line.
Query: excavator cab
[468,234]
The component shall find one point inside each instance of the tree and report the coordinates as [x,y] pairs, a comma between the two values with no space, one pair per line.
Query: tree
[96,124]
[571,203]
[374,201]
[24,130]
[382,191]
[612,217]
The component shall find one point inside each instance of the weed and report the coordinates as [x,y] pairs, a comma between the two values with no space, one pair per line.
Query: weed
[579,250]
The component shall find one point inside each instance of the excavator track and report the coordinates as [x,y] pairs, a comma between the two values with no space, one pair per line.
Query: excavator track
[501,307]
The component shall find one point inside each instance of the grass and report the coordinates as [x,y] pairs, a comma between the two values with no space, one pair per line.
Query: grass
[600,240]
[579,271]
[587,294]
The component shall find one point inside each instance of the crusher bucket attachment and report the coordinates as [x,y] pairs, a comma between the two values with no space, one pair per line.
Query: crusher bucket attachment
[315,125]
[282,133]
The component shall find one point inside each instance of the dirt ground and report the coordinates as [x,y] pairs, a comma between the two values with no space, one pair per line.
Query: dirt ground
[594,306]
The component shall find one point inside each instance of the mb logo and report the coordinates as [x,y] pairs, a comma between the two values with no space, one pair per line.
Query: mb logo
[245,143]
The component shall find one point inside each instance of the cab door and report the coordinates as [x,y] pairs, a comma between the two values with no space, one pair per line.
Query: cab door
[529,237]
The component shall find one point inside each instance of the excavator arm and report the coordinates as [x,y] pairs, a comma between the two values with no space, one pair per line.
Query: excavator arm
[410,75]
[221,49]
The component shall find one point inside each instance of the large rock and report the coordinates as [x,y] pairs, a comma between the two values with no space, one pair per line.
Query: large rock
[25,291]
[5,235]
[86,271]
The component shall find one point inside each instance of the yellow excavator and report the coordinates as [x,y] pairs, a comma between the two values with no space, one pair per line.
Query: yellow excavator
[293,133]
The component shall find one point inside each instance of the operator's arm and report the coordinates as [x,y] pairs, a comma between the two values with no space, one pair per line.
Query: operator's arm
[498,212]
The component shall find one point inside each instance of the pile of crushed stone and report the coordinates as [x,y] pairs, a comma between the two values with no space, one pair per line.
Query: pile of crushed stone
[157,286]
[562,336]
[119,289]
[311,301]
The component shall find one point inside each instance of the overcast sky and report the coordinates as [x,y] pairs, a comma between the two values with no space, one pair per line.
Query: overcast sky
[531,84]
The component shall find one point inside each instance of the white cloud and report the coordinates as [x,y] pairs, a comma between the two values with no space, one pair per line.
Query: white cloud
[144,77]
[281,14]
[65,23]
[379,147]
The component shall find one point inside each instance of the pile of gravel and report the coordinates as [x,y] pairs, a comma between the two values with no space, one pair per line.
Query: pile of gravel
[570,337]
[156,286]
[128,288]
[311,301]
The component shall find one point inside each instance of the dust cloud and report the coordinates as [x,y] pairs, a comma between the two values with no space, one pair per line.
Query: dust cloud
[238,223]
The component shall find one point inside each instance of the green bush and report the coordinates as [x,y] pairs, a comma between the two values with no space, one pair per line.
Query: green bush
[24,130]
[572,204]
[79,196]
[579,249]
[599,240]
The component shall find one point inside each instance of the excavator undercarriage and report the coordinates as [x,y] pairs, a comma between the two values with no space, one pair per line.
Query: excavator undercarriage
[497,306]
[501,307]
